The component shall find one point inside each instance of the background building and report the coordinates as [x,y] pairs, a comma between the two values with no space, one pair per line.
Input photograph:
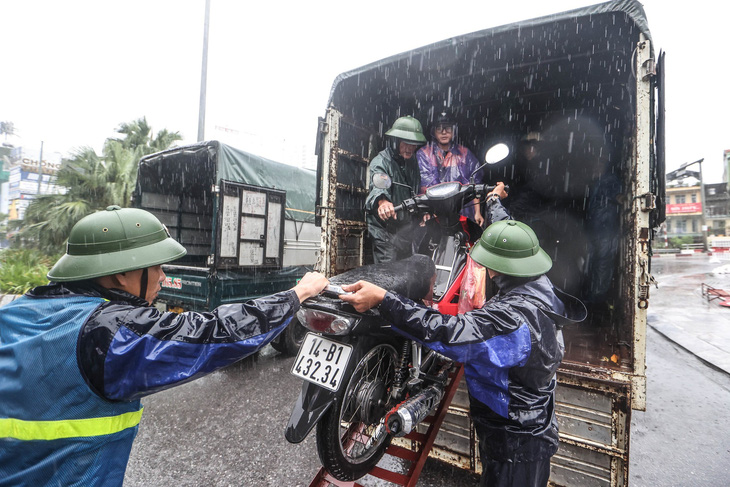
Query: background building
[697,213]
[5,151]
[24,182]
[684,209]
[717,208]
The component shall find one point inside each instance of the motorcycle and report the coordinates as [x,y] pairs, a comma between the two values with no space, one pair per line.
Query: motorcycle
[364,383]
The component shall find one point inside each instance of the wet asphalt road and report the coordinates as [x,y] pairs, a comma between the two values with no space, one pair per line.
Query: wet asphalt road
[227,429]
[683,438]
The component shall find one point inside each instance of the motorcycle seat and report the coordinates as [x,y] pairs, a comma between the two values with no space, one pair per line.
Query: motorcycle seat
[411,277]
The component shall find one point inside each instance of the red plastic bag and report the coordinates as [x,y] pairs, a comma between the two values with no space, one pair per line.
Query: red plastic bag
[472,292]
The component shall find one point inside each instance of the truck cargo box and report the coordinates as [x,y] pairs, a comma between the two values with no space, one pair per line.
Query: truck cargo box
[247,223]
[585,84]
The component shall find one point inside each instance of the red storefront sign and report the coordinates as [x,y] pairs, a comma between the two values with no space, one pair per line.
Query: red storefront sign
[682,208]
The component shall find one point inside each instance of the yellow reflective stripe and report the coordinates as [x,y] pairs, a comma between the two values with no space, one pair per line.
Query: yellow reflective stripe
[68,428]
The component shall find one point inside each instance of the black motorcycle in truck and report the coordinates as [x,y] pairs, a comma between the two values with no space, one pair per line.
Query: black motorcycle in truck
[364,383]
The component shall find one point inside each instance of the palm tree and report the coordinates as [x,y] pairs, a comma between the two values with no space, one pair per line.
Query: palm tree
[120,171]
[7,128]
[92,183]
[49,218]
[136,133]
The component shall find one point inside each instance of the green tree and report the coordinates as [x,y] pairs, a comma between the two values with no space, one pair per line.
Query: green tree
[92,183]
[3,227]
[7,128]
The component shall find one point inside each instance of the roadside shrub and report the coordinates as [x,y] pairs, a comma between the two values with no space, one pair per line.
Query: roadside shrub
[23,269]
[678,242]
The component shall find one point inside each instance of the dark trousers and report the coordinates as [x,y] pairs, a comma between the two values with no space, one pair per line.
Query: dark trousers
[515,474]
[395,245]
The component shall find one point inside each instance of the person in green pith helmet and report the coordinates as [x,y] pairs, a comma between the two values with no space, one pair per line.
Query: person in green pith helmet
[77,355]
[510,348]
[392,234]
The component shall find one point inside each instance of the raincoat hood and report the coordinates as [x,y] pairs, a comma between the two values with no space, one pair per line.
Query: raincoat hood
[545,293]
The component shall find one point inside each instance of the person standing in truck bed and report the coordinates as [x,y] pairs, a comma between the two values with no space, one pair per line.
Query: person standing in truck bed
[77,355]
[393,237]
[443,160]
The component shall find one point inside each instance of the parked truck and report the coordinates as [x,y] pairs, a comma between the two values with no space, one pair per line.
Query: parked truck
[247,223]
[583,88]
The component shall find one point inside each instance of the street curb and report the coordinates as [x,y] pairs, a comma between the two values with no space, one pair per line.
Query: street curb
[689,254]
[696,347]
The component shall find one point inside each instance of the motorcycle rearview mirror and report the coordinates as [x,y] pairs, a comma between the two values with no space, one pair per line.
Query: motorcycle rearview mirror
[496,153]
[383,181]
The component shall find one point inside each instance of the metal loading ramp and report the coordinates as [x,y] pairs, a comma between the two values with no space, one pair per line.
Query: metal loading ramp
[416,458]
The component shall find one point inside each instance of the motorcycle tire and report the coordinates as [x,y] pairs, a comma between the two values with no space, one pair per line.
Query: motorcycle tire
[344,431]
[291,339]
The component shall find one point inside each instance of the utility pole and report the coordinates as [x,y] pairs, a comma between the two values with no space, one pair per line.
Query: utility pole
[704,204]
[204,75]
[40,169]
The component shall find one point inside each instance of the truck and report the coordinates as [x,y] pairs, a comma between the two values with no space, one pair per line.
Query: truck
[586,87]
[247,224]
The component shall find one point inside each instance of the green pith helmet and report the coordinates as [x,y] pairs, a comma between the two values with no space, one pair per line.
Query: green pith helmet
[408,129]
[511,248]
[113,241]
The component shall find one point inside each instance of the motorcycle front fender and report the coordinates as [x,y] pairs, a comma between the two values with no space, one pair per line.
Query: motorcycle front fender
[312,403]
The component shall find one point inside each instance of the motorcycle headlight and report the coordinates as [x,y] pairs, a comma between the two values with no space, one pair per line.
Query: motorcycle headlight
[443,190]
[324,322]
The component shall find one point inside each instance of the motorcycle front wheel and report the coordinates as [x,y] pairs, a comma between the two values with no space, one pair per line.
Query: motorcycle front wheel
[347,443]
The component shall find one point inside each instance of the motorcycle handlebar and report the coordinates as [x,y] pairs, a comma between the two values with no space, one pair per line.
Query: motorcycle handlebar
[413,202]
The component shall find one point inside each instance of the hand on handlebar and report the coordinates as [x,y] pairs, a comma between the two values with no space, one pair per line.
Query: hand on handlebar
[499,191]
[386,210]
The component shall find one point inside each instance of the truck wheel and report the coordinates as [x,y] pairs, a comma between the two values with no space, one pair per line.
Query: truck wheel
[290,339]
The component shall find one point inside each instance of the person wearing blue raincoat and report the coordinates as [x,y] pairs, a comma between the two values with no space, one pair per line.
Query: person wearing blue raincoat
[77,355]
[511,349]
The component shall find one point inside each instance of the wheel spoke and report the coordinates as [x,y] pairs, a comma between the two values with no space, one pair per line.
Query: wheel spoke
[355,434]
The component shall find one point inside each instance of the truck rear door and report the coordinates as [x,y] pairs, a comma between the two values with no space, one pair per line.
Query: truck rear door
[250,226]
[344,152]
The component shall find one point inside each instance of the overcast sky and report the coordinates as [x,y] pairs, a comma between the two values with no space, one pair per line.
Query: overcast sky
[74,70]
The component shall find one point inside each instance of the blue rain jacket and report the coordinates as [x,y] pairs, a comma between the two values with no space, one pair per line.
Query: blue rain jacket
[511,349]
[76,358]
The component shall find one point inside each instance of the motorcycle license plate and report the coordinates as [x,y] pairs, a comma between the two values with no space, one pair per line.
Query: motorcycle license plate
[321,361]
